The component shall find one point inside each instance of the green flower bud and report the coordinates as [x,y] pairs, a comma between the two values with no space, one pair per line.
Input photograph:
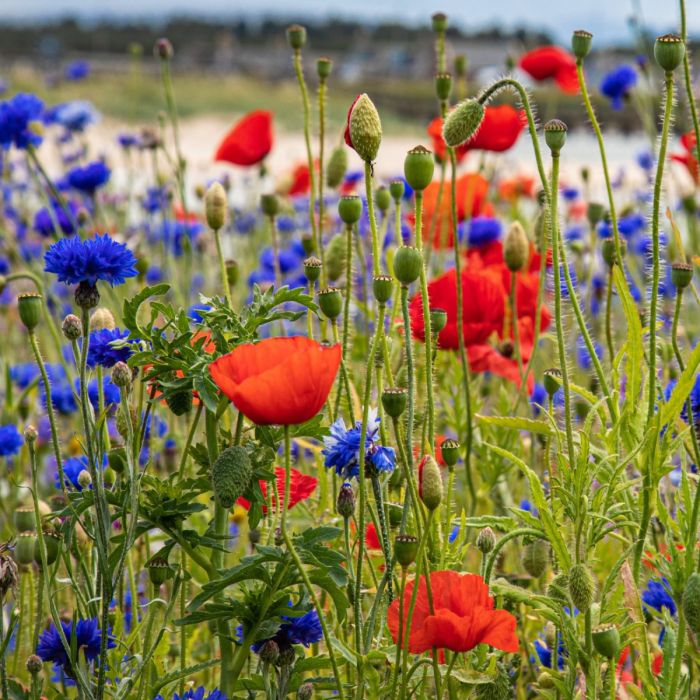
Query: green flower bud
[159,571]
[430,482]
[324,66]
[53,547]
[460,65]
[180,402]
[382,198]
[552,381]
[84,479]
[382,286]
[498,689]
[121,374]
[363,132]
[443,86]
[438,320]
[231,272]
[335,258]
[669,51]
[230,475]
[691,603]
[558,588]
[463,122]
[345,504]
[555,135]
[418,168]
[296,36]
[30,306]
[581,586]
[270,204]
[450,451]
[440,22]
[535,557]
[395,512]
[397,189]
[608,251]
[408,262]
[545,680]
[331,302]
[595,212]
[312,268]
[216,206]
[405,549]
[486,540]
[336,167]
[394,401]
[350,209]
[681,274]
[581,43]
[23,519]
[606,640]
[24,548]
[116,458]
[516,247]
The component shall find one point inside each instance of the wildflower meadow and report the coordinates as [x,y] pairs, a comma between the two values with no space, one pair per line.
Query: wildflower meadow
[323,432]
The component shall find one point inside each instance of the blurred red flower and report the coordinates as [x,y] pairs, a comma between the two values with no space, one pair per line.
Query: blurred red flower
[463,617]
[371,537]
[547,62]
[688,157]
[300,181]
[249,141]
[301,486]
[281,381]
[499,130]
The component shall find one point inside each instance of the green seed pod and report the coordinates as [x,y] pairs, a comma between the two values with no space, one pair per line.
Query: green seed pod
[460,65]
[669,50]
[395,512]
[53,547]
[324,66]
[394,401]
[516,247]
[336,167]
[382,286]
[581,43]
[443,86]
[312,268]
[595,212]
[397,189]
[405,549]
[463,122]
[364,128]
[24,548]
[331,302]
[438,319]
[555,135]
[335,257]
[681,274]
[535,557]
[608,251]
[29,306]
[216,206]
[552,381]
[350,209]
[440,22]
[116,458]
[345,503]
[270,204]
[486,540]
[430,482]
[296,36]
[450,451]
[408,262]
[691,603]
[159,571]
[558,588]
[606,640]
[418,168]
[230,475]
[581,586]
[23,519]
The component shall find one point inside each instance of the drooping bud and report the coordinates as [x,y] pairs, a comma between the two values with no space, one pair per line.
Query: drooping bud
[606,640]
[555,135]
[30,306]
[552,381]
[463,122]
[363,131]
[312,268]
[345,504]
[609,252]
[430,482]
[408,262]
[216,206]
[102,319]
[535,557]
[516,247]
[394,401]
[296,36]
[691,603]
[382,286]
[681,274]
[405,549]
[486,540]
[558,588]
[336,167]
[418,168]
[330,300]
[581,43]
[669,51]
[581,586]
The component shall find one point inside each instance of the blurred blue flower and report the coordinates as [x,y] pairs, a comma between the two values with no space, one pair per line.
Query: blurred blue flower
[77,70]
[617,83]
[657,596]
[16,117]
[10,440]
[90,177]
[74,116]
[101,350]
[45,220]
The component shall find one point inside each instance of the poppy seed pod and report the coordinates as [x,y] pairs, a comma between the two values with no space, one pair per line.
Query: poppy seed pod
[336,167]
[24,548]
[408,262]
[215,205]
[608,251]
[486,540]
[382,198]
[449,449]
[516,247]
[335,257]
[394,401]
[350,209]
[438,319]
[606,640]
[430,482]
[23,519]
[53,546]
[345,503]
[581,586]
[418,168]
[535,557]
[270,204]
[552,381]
[296,36]
[463,122]
[595,212]
[440,22]
[29,306]
[669,50]
[397,189]
[312,268]
[159,571]
[230,475]
[363,131]
[405,549]
[681,274]
[331,302]
[581,43]
[382,286]
[443,86]
[690,603]
[324,66]
[555,135]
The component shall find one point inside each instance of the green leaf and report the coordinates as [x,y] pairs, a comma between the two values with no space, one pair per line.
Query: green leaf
[516,423]
[132,306]
[672,409]
[634,343]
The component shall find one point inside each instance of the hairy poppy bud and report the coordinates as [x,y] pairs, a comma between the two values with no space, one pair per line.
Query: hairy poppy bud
[335,257]
[29,306]
[438,319]
[230,475]
[418,168]
[159,571]
[397,189]
[382,198]
[516,247]
[102,319]
[350,209]
[408,262]
[363,132]
[394,401]
[216,205]
[345,504]
[581,43]
[331,302]
[324,66]
[486,540]
[53,546]
[555,135]
[34,664]
[606,640]
[382,286]
[463,122]
[552,381]
[24,548]
[545,680]
[336,167]
[581,586]
[443,86]
[312,268]
[691,603]
[669,50]
[595,212]
[440,22]
[296,36]
[430,482]
[609,252]
[121,374]
[558,588]
[498,689]
[405,549]
[270,204]
[116,458]
[535,557]
[450,451]
[681,274]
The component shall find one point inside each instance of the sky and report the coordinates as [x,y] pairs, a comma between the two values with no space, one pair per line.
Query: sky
[607,19]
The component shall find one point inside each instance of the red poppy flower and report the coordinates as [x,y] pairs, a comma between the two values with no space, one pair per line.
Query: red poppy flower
[517,186]
[688,157]
[281,381]
[301,181]
[499,130]
[371,537]
[301,486]
[485,358]
[249,141]
[463,617]
[554,62]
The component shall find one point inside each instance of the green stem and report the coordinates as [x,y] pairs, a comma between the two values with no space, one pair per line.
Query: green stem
[372,219]
[689,82]
[322,87]
[399,639]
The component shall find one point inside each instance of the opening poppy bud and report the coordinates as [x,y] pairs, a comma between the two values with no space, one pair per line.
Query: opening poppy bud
[231,272]
[121,374]
[53,546]
[581,586]
[296,36]
[516,247]
[595,213]
[382,286]
[552,381]
[555,135]
[607,249]
[438,319]
[408,262]
[681,274]
[34,664]
[486,540]
[397,189]
[23,518]
[84,479]
[535,557]
[463,122]
[29,306]
[363,132]
[350,209]
[418,168]
[335,257]
[606,640]
[87,296]
[102,319]
[230,475]
[669,50]
[450,451]
[336,167]
[305,692]
[324,66]
[345,504]
[24,548]
[690,602]
[443,86]
[460,65]
[215,206]
[312,268]
[164,49]
[430,482]
[440,22]
[116,458]
[382,198]
[159,571]
[558,588]
[331,302]
[405,549]
[581,43]
[270,204]
[394,401]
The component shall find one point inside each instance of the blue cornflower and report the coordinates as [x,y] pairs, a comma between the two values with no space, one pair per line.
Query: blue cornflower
[481,230]
[77,70]
[645,160]
[45,221]
[583,357]
[23,374]
[127,140]
[72,468]
[74,116]
[454,534]
[657,595]
[110,393]
[102,351]
[10,440]
[342,448]
[627,225]
[199,693]
[304,630]
[193,312]
[90,177]
[538,398]
[100,258]
[617,83]
[16,117]
[62,395]
[154,275]
[570,194]
[87,635]
[544,653]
